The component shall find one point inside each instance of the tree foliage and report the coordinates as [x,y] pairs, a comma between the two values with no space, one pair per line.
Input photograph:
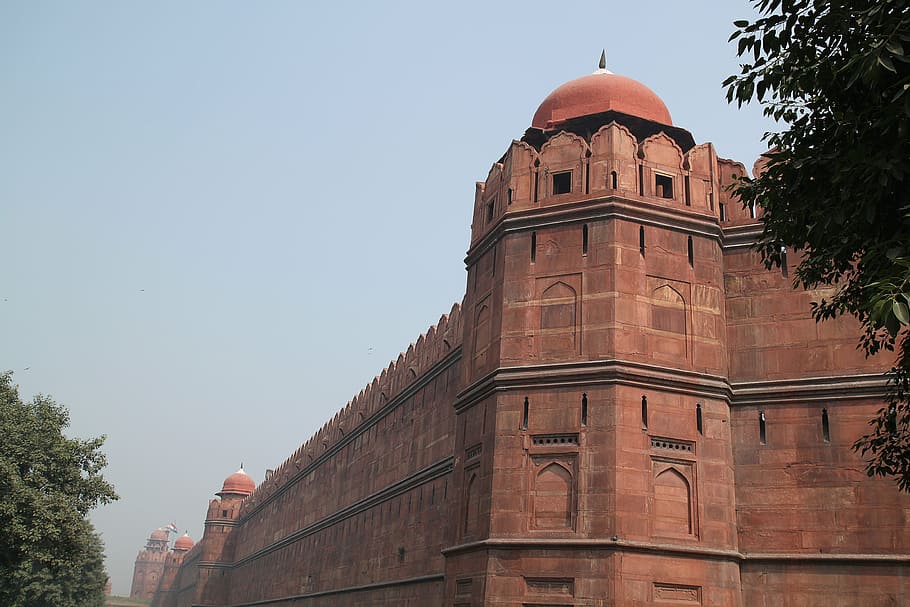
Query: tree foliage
[49,553]
[835,76]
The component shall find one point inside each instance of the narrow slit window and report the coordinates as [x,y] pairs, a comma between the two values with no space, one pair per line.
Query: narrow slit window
[584,409]
[509,196]
[641,240]
[663,186]
[614,179]
[533,247]
[826,427]
[688,192]
[524,415]
[644,412]
[752,210]
[690,249]
[584,239]
[783,262]
[762,430]
[711,200]
[562,182]
[723,212]
[699,421]
[641,180]
[491,207]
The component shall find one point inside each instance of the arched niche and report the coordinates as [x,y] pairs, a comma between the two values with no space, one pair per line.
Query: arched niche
[553,495]
[472,506]
[558,319]
[673,507]
[482,334]
[668,310]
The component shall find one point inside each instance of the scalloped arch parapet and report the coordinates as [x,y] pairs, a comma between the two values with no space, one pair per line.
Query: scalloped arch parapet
[662,150]
[614,159]
[561,140]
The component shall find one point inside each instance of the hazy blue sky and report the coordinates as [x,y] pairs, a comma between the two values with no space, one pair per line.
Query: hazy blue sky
[219,220]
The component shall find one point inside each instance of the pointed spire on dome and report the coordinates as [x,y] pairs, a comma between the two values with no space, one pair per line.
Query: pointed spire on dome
[602,65]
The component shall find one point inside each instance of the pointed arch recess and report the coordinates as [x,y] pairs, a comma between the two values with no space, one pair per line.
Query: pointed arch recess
[673,511]
[553,505]
[558,318]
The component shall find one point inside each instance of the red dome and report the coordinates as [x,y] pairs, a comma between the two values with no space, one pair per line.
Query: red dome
[160,535]
[238,483]
[184,542]
[600,92]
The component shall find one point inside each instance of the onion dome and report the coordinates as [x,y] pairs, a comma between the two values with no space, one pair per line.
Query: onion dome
[238,483]
[184,542]
[601,91]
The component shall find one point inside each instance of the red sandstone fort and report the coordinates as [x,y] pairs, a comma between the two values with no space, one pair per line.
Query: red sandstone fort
[627,409]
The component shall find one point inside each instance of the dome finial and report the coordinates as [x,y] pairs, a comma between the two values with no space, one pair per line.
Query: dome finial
[603,59]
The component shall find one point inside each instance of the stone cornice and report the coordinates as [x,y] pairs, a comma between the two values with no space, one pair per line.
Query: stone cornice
[784,391]
[595,372]
[741,237]
[600,372]
[683,550]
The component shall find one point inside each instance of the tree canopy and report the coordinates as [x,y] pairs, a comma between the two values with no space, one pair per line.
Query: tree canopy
[835,76]
[50,555]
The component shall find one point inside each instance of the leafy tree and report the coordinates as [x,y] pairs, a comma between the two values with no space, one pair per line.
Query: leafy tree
[49,553]
[835,75]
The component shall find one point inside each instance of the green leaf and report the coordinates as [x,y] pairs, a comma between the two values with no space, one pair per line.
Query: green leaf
[741,23]
[901,312]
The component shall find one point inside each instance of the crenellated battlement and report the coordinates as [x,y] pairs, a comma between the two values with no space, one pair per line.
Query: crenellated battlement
[428,350]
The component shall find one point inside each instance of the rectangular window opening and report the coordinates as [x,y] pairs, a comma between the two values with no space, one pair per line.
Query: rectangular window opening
[491,207]
[644,412]
[533,247]
[524,415]
[690,249]
[584,409]
[663,186]
[584,239]
[723,212]
[699,422]
[641,180]
[562,182]
[641,240]
[509,195]
[614,178]
[826,427]
[688,192]
[762,431]
[752,210]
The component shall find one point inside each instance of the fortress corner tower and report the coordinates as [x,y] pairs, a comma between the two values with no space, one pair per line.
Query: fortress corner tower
[592,437]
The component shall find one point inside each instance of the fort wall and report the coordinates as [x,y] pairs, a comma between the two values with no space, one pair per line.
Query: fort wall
[362,507]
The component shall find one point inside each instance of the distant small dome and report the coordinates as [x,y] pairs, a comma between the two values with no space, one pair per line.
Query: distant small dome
[238,483]
[600,92]
[184,542]
[160,534]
